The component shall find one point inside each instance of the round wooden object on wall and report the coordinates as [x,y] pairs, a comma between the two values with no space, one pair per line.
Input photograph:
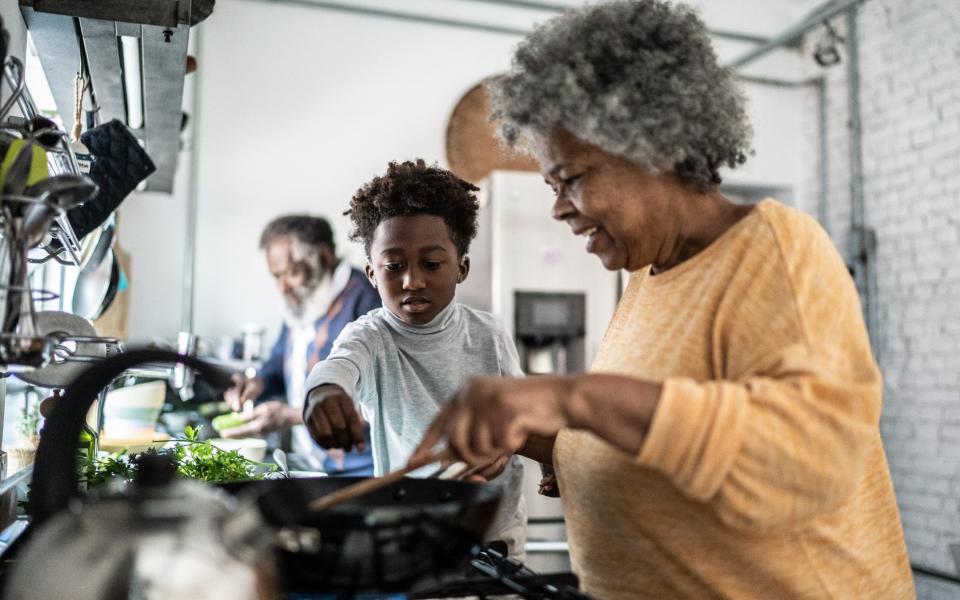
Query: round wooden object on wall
[473,148]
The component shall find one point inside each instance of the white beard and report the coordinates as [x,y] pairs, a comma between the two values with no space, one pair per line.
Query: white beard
[314,306]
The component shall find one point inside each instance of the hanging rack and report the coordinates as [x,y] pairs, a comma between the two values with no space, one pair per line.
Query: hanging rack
[60,158]
[29,349]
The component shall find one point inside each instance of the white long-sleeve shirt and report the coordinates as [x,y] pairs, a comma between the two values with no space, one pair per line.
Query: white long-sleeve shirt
[402,374]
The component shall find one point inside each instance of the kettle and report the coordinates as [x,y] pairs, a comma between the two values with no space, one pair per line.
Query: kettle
[163,537]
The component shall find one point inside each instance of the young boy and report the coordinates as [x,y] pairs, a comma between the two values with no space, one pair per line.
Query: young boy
[404,361]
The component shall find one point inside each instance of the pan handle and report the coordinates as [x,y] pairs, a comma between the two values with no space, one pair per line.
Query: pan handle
[55,479]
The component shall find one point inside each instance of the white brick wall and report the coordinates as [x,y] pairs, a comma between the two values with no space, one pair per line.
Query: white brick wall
[910,110]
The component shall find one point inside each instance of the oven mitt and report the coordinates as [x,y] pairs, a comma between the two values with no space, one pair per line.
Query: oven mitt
[200,10]
[119,164]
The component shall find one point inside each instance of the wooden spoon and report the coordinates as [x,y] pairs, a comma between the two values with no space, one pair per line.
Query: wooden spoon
[362,488]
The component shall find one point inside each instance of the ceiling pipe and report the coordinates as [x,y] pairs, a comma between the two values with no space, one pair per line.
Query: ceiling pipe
[472,25]
[795,32]
[556,7]
[402,16]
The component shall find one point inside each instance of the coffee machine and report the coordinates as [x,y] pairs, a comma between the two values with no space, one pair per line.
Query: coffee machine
[549,329]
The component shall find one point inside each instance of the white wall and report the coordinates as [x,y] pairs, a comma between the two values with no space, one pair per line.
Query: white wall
[13,23]
[301,106]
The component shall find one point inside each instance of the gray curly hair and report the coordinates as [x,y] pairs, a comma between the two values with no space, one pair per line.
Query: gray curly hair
[638,78]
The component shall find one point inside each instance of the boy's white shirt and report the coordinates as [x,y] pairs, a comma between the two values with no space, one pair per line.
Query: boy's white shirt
[401,375]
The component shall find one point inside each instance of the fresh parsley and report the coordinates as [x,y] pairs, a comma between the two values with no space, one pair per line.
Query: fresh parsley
[192,457]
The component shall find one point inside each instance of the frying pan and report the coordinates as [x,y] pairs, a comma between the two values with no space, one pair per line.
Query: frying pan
[112,286]
[384,541]
[98,279]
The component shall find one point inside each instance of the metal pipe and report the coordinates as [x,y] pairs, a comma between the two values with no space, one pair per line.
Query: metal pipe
[820,14]
[531,4]
[489,28]
[823,202]
[190,243]
[402,16]
[3,404]
[784,83]
[554,7]
[862,242]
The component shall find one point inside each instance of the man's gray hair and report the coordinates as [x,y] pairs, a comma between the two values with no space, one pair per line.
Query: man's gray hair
[308,233]
[638,78]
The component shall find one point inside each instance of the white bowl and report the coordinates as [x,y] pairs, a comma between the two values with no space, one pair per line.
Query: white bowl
[254,449]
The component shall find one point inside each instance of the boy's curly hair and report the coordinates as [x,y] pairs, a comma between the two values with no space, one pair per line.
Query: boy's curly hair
[638,78]
[415,188]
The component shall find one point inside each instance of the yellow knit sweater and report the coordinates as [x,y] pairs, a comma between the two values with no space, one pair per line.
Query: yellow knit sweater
[762,474]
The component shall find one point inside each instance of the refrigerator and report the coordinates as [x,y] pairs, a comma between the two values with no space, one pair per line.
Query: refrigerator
[555,298]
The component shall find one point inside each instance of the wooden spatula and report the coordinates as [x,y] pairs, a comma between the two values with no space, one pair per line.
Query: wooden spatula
[361,488]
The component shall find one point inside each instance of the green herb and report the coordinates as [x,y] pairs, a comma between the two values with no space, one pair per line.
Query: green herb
[29,419]
[193,458]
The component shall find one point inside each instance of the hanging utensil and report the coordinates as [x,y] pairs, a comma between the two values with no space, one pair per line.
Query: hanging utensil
[113,286]
[54,195]
[95,279]
[63,327]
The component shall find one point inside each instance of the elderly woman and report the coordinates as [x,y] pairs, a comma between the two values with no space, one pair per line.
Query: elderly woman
[726,441]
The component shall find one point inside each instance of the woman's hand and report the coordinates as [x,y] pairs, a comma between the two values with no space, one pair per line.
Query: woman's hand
[492,417]
[334,421]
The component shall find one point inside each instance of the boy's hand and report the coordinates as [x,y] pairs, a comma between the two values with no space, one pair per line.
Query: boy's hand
[334,422]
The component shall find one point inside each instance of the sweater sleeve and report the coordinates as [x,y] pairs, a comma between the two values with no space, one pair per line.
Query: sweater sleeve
[352,355]
[785,434]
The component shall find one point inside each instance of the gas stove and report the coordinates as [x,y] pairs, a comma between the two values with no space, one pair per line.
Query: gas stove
[490,574]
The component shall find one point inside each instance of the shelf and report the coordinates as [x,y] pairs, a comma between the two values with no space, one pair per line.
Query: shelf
[67,33]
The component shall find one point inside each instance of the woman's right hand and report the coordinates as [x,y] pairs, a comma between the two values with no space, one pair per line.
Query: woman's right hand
[492,417]
[334,421]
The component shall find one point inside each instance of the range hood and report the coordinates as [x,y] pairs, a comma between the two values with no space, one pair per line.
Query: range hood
[135,53]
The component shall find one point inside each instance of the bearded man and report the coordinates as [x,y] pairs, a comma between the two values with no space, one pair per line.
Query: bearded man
[321,295]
